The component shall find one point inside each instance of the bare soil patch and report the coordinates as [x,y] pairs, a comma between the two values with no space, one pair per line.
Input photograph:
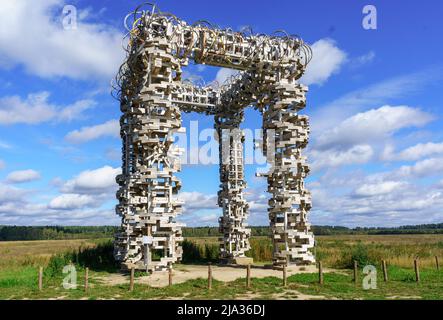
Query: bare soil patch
[223,273]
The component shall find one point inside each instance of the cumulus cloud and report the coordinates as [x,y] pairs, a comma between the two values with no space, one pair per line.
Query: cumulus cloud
[23,176]
[193,77]
[199,209]
[353,197]
[9,193]
[423,168]
[258,206]
[223,74]
[412,153]
[199,218]
[327,60]
[74,111]
[40,215]
[211,218]
[357,154]
[197,201]
[329,115]
[378,199]
[15,206]
[371,125]
[357,139]
[101,180]
[110,128]
[44,48]
[36,109]
[71,201]
[379,188]
[18,207]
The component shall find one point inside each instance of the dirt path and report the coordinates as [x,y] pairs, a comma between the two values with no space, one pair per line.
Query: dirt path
[285,295]
[183,273]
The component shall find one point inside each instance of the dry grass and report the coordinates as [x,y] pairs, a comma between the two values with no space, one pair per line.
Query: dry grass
[399,250]
[20,253]
[334,251]
[19,261]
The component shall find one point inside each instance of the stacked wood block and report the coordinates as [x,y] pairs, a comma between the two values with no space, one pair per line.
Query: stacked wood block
[148,205]
[152,96]
[235,240]
[290,201]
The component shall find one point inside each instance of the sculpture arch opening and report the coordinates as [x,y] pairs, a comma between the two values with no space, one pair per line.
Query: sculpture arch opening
[152,97]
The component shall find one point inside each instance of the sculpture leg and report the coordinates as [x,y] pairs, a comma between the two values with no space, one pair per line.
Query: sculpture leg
[232,224]
[290,202]
[150,237]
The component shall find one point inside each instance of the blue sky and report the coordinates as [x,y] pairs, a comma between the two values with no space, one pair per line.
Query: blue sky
[376,147]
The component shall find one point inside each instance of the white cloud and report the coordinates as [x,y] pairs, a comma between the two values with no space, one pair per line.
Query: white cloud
[101,180]
[40,215]
[22,176]
[113,154]
[4,145]
[329,115]
[377,202]
[197,201]
[363,59]
[199,218]
[36,109]
[375,124]
[193,77]
[212,218]
[258,206]
[46,49]
[74,111]
[416,152]
[223,74]
[17,207]
[71,201]
[353,198]
[327,60]
[357,154]
[11,194]
[423,168]
[379,188]
[199,209]
[110,128]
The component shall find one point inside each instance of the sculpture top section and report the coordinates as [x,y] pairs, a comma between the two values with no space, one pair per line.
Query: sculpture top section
[254,55]
[207,44]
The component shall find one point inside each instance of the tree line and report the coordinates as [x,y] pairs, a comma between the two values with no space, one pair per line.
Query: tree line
[14,233]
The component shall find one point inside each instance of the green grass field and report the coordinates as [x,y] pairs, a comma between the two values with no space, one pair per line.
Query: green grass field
[19,262]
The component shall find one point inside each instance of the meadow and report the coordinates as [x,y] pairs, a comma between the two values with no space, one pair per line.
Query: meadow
[19,262]
[339,251]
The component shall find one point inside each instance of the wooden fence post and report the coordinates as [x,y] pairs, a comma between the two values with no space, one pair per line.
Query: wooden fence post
[436,263]
[86,279]
[131,279]
[40,278]
[170,276]
[285,281]
[320,273]
[385,270]
[417,270]
[209,276]
[248,276]
[355,271]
